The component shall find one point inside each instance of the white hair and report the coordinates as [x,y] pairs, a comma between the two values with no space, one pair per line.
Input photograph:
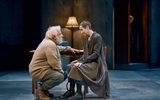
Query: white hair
[53,30]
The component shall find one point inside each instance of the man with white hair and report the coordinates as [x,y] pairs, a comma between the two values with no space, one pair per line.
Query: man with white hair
[46,65]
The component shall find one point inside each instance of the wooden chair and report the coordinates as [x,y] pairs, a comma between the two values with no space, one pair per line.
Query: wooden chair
[34,82]
[34,86]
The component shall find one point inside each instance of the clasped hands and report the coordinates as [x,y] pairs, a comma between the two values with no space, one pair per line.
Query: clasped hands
[76,63]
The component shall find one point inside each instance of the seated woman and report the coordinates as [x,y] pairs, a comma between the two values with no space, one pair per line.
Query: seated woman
[91,68]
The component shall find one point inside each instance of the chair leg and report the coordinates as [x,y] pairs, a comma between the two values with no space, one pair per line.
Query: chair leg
[85,90]
[34,86]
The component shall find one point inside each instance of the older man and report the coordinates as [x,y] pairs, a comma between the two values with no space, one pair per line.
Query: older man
[46,65]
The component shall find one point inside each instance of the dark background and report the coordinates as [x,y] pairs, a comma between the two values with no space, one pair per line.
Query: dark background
[24,22]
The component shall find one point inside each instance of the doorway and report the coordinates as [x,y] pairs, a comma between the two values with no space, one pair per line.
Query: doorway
[138,31]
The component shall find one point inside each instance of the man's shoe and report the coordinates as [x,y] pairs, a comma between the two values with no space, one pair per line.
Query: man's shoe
[49,94]
[46,91]
[41,95]
[67,94]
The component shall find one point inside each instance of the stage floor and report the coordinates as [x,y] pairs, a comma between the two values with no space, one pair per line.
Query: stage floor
[124,85]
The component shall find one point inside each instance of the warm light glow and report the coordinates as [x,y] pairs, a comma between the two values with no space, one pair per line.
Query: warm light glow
[72,22]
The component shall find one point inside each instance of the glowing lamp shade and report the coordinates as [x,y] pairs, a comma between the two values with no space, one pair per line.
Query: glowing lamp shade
[72,22]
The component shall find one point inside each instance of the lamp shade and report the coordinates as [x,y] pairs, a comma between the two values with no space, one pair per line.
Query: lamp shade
[72,22]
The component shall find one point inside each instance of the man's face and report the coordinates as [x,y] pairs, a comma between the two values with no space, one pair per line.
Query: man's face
[58,38]
[84,30]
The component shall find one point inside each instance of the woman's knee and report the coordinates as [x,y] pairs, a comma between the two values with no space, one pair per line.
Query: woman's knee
[73,68]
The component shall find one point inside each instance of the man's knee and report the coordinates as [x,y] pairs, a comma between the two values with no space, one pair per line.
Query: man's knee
[60,78]
[57,80]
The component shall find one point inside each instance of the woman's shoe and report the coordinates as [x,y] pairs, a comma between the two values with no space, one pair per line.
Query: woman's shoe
[67,94]
[77,96]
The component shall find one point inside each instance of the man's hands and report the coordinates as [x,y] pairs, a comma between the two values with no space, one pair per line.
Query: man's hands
[75,61]
[73,50]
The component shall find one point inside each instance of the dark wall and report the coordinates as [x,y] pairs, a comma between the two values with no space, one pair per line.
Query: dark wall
[19,29]
[11,37]
[154,32]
